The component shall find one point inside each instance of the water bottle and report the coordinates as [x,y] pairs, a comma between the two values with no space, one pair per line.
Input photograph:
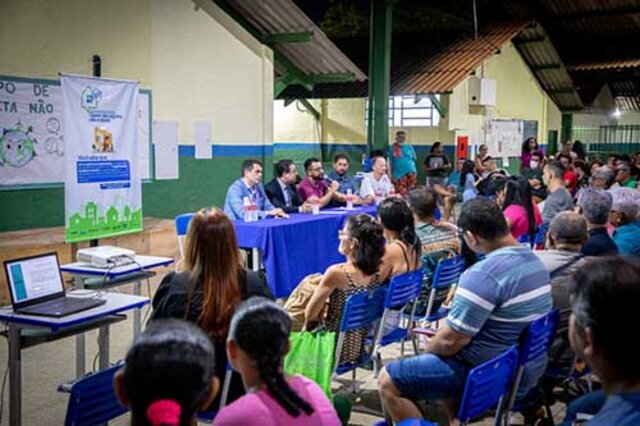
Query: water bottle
[392,191]
[246,209]
[378,196]
[315,206]
[349,199]
[254,211]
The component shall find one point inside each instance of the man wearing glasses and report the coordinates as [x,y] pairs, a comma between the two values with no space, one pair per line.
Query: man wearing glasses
[314,188]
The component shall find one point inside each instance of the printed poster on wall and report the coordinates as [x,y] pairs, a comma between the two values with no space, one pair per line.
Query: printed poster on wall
[32,138]
[102,191]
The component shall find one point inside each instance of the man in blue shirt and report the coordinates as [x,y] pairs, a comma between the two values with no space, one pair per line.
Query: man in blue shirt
[339,174]
[495,300]
[605,295]
[249,185]
[624,217]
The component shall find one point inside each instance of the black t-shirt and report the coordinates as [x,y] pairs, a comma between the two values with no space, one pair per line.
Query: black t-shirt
[436,162]
[170,301]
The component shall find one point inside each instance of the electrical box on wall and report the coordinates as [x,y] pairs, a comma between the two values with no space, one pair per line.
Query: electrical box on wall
[482,91]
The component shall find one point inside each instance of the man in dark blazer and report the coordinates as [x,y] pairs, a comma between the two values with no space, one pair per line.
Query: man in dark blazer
[282,192]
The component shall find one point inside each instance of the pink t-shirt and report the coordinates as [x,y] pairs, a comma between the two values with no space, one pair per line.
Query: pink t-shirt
[307,189]
[517,216]
[259,408]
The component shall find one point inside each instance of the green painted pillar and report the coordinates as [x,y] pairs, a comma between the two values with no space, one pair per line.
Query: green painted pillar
[379,73]
[566,128]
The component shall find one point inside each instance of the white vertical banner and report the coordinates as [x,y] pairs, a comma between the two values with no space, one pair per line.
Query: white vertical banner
[102,191]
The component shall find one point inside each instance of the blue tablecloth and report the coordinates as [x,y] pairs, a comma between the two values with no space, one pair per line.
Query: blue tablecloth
[296,247]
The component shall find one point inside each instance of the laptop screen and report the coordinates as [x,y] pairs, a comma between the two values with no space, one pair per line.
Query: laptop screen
[34,278]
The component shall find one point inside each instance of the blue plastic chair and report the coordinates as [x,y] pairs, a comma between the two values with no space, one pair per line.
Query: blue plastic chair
[208,416]
[486,386]
[447,273]
[361,311]
[408,422]
[534,344]
[403,290]
[182,225]
[93,400]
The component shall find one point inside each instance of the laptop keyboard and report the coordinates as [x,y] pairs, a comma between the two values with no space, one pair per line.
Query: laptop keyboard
[64,305]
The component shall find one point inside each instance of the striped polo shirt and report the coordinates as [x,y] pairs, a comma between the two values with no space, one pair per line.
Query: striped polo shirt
[497,298]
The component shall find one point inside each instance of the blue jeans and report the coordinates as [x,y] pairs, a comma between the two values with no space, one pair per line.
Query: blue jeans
[429,377]
[590,403]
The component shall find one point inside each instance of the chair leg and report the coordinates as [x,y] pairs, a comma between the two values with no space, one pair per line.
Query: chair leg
[354,384]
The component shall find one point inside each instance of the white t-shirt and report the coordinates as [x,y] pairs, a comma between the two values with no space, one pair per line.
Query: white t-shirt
[370,185]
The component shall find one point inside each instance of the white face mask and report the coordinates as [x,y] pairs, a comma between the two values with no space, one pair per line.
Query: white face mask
[534,164]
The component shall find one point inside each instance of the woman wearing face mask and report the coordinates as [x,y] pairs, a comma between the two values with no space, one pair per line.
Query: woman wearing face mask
[533,174]
[529,147]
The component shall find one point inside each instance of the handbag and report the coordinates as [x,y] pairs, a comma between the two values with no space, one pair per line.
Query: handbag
[312,355]
[299,299]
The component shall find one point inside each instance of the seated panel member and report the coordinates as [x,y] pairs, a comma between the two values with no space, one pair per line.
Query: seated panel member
[376,181]
[346,182]
[314,184]
[281,190]
[249,185]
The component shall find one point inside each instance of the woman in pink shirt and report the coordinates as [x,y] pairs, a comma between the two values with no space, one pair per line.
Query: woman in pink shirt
[257,345]
[514,197]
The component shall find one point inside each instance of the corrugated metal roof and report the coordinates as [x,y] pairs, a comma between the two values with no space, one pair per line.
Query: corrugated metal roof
[543,60]
[595,16]
[605,65]
[316,57]
[443,72]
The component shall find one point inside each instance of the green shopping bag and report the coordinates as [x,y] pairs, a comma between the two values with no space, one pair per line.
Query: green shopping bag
[312,355]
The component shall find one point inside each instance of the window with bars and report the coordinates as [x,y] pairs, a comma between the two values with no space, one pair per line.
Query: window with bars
[410,111]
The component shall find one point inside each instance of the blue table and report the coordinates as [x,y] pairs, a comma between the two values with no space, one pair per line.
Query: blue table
[298,246]
[75,324]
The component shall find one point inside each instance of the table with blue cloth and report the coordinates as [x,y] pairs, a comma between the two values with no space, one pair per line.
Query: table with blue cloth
[295,247]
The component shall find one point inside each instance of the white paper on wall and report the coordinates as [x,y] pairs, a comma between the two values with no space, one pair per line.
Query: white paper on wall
[202,137]
[166,149]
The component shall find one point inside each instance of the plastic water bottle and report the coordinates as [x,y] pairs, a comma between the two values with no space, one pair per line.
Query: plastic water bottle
[378,196]
[315,206]
[392,191]
[349,199]
[246,209]
[254,211]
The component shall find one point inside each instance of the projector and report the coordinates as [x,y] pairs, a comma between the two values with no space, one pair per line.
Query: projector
[106,256]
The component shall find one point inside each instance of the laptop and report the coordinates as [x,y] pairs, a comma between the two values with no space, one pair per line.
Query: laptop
[36,288]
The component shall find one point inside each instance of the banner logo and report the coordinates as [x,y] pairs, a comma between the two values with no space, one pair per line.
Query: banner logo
[89,98]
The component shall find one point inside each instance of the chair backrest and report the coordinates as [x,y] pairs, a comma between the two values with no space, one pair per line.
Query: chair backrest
[538,336]
[487,384]
[182,225]
[448,272]
[403,288]
[93,400]
[362,309]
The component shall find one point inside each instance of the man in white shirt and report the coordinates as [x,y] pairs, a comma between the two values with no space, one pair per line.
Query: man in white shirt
[376,183]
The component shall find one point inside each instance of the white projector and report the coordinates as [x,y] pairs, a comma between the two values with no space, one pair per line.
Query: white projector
[106,256]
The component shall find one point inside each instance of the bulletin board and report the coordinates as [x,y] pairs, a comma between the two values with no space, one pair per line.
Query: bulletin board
[504,137]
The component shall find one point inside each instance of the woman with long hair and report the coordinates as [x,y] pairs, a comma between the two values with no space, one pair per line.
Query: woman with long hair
[529,146]
[468,181]
[257,345]
[514,197]
[212,285]
[402,253]
[362,243]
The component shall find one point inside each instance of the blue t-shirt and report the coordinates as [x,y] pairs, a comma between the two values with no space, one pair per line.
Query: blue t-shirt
[621,409]
[627,238]
[405,163]
[497,298]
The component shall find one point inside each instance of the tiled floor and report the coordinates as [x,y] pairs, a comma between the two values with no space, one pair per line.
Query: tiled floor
[45,366]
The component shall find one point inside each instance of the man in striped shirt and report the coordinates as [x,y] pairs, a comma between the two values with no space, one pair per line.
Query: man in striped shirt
[495,300]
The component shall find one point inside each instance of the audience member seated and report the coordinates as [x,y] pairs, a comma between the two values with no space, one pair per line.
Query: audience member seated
[605,296]
[402,252]
[376,184]
[436,167]
[486,183]
[483,151]
[624,218]
[569,176]
[612,161]
[249,186]
[514,198]
[257,345]
[595,206]
[567,233]
[496,299]
[624,178]
[468,181]
[582,174]
[438,240]
[212,285]
[345,182]
[168,375]
[402,164]
[314,187]
[602,178]
[362,242]
[281,190]
[529,148]
[533,173]
[567,149]
[558,197]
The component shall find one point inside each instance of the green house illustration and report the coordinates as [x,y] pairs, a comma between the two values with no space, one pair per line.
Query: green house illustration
[112,215]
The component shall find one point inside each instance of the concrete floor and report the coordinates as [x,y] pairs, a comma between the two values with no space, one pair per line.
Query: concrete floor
[46,366]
